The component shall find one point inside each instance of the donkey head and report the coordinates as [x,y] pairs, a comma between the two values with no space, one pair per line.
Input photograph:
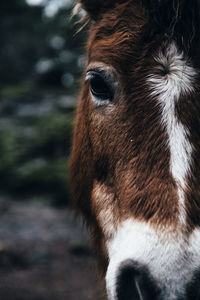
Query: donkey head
[135,160]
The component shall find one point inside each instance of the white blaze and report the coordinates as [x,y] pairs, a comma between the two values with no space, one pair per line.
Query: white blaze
[169,89]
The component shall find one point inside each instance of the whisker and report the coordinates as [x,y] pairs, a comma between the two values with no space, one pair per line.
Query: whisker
[138,289]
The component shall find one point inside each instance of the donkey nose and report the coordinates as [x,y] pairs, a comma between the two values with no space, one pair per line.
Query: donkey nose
[134,282]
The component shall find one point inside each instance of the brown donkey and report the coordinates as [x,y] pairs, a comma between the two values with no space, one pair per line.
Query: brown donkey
[135,163]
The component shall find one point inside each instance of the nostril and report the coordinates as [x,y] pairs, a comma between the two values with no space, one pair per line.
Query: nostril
[128,283]
[134,282]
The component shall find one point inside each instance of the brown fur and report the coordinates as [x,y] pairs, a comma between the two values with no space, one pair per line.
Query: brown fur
[123,145]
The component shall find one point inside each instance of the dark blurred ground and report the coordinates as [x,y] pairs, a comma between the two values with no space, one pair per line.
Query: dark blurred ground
[44,255]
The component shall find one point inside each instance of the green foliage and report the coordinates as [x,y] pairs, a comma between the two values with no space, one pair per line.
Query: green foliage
[44,177]
[36,46]
[9,151]
[41,60]
[34,151]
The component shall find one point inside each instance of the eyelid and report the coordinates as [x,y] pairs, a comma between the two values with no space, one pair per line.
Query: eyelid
[100,72]
[104,73]
[91,73]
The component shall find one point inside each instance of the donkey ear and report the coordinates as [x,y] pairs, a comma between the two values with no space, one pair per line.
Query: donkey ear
[95,7]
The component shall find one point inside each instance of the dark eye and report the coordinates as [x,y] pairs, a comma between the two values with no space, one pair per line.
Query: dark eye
[100,87]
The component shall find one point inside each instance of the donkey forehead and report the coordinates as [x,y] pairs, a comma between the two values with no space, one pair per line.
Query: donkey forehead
[130,29]
[116,30]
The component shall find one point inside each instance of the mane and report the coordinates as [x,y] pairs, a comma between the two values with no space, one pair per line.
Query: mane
[83,18]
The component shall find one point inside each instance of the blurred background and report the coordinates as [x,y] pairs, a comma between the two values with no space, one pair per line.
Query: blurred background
[44,251]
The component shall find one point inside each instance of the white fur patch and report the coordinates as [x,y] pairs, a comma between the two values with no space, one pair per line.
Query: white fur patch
[168,89]
[170,257]
[103,206]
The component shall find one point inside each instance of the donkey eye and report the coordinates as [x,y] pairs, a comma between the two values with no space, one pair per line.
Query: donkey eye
[100,87]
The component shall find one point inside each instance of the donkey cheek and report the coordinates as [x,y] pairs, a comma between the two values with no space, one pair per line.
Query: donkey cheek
[103,207]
